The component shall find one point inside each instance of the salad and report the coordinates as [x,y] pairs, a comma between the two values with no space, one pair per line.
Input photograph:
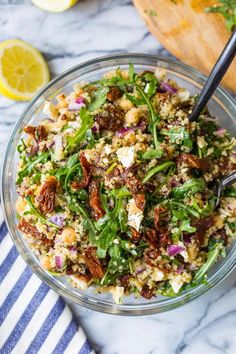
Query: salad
[115,187]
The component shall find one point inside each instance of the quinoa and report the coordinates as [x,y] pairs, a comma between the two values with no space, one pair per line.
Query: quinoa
[115,187]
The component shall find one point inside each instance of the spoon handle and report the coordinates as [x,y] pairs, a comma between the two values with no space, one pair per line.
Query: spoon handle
[215,76]
[227,181]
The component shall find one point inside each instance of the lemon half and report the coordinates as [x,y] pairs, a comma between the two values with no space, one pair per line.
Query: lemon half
[54,5]
[23,70]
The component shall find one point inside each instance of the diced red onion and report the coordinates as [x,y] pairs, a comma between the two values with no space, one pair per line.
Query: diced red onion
[58,219]
[80,100]
[59,260]
[76,105]
[73,250]
[220,132]
[180,269]
[192,267]
[168,88]
[120,133]
[173,250]
[160,90]
[187,239]
[51,144]
[142,125]
[95,128]
[140,270]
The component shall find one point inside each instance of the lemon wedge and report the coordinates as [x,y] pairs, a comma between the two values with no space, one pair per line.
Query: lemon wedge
[23,70]
[54,5]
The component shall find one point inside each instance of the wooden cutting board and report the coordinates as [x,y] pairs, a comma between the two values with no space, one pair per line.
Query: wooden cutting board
[190,34]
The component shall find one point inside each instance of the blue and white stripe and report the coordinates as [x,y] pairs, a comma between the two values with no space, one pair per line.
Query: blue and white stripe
[33,318]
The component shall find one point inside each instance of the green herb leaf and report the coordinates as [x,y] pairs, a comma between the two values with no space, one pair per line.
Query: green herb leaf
[190,187]
[157,169]
[212,256]
[178,136]
[230,192]
[34,211]
[29,167]
[98,99]
[153,154]
[154,118]
[131,72]
[86,123]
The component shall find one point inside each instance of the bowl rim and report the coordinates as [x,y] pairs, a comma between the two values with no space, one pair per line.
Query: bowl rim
[100,305]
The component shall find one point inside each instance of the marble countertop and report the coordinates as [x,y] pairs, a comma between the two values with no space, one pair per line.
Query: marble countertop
[94,28]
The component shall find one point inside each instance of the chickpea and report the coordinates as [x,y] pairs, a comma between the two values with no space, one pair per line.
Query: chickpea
[20,205]
[46,262]
[62,104]
[124,104]
[133,116]
[68,235]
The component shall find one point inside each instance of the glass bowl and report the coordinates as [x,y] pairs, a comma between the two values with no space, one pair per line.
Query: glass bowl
[221,105]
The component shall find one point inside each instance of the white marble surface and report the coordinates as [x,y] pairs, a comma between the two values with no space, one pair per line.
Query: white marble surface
[94,28]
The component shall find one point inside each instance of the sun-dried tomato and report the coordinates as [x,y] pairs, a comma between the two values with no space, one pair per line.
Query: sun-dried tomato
[93,263]
[194,161]
[95,200]
[134,184]
[164,237]
[157,212]
[146,292]
[202,226]
[41,133]
[111,118]
[226,166]
[140,201]
[150,255]
[87,172]
[114,93]
[123,280]
[38,133]
[46,198]
[31,230]
[223,236]
[135,235]
[151,237]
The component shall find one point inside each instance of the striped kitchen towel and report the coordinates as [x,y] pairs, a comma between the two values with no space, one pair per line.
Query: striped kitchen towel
[33,318]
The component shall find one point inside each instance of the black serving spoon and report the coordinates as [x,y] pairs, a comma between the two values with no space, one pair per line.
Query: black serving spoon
[212,82]
[215,77]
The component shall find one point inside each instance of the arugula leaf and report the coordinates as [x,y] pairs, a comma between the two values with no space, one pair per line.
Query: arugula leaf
[120,192]
[153,154]
[154,118]
[151,85]
[230,192]
[178,136]
[99,98]
[172,204]
[212,256]
[192,186]
[21,146]
[92,233]
[136,101]
[157,169]
[131,72]
[185,226]
[75,169]
[35,212]
[86,123]
[29,168]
